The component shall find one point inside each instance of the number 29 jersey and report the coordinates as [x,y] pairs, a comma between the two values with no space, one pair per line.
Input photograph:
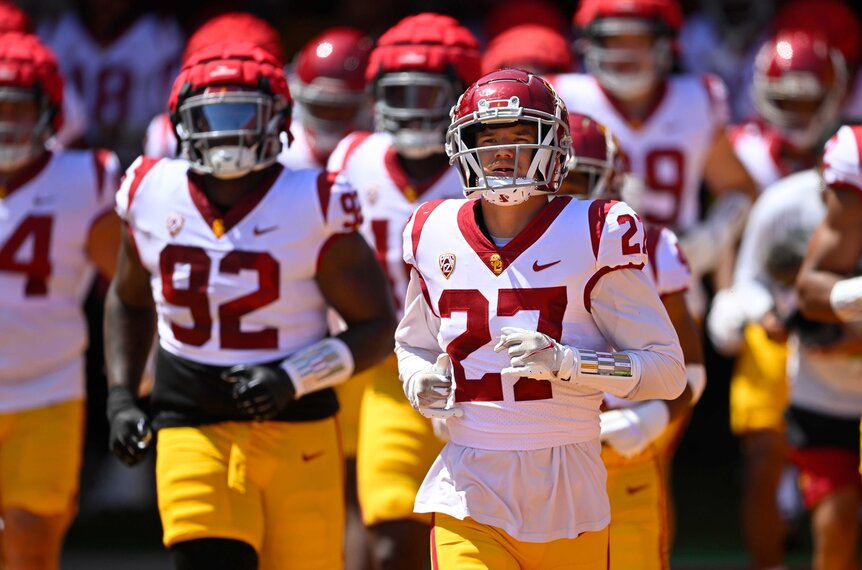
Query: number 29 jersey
[667,149]
[542,280]
[237,287]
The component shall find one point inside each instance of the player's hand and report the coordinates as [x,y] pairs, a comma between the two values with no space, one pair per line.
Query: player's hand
[535,355]
[260,391]
[630,430]
[430,392]
[130,433]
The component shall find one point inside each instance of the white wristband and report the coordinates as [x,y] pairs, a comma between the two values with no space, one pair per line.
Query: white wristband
[846,299]
[695,375]
[326,363]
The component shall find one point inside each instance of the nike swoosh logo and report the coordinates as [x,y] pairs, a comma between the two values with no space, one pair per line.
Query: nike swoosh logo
[537,267]
[632,489]
[260,231]
[309,456]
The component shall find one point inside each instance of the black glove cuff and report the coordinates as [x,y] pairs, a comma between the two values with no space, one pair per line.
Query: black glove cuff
[120,398]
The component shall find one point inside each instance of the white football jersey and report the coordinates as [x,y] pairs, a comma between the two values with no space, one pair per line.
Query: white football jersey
[669,148]
[538,281]
[124,83]
[237,287]
[298,155]
[667,266]
[369,163]
[160,140]
[759,149]
[45,273]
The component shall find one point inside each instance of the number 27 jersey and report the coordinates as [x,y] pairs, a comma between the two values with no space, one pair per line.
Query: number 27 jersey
[237,287]
[542,280]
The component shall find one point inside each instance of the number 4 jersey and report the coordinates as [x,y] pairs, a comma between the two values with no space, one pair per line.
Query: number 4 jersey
[558,276]
[45,273]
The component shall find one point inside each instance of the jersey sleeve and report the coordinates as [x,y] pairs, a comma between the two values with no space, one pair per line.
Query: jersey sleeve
[416,338]
[672,272]
[618,236]
[130,185]
[340,205]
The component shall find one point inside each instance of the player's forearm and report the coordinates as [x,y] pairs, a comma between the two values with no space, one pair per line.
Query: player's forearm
[661,375]
[814,290]
[129,332]
[369,341]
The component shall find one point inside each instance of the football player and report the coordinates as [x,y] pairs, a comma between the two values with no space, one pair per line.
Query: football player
[798,88]
[240,257]
[416,72]
[508,333]
[826,403]
[328,83]
[56,226]
[671,127]
[641,437]
[121,60]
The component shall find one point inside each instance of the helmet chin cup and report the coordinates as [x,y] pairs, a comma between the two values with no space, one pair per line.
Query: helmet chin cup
[501,193]
[417,144]
[228,162]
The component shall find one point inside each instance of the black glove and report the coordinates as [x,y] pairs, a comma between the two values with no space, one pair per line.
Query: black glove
[260,391]
[130,428]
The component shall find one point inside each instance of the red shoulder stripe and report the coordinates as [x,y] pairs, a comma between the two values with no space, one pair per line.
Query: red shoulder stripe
[147,164]
[419,219]
[324,189]
[653,235]
[358,139]
[100,162]
[597,214]
[591,284]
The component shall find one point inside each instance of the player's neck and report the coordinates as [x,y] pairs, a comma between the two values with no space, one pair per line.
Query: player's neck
[422,169]
[638,107]
[508,221]
[225,194]
[7,176]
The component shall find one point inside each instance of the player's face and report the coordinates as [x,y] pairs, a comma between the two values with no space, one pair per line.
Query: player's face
[506,159]
[638,50]
[18,118]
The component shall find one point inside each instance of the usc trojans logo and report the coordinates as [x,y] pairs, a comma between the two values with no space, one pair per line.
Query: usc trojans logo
[447,264]
[174,223]
[496,264]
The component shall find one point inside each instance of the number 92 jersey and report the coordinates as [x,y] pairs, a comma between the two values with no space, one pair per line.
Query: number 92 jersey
[542,280]
[237,287]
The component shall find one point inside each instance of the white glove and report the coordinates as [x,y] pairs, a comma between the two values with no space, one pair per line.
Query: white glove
[731,310]
[535,355]
[430,392]
[630,430]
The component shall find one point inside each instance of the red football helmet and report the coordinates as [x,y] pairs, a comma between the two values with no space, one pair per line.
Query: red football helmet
[417,71]
[799,85]
[538,49]
[596,156]
[14,19]
[329,87]
[235,27]
[834,20]
[31,94]
[510,97]
[635,67]
[229,105]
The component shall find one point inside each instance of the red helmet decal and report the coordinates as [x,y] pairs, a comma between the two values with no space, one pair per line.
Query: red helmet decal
[529,45]
[26,62]
[427,42]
